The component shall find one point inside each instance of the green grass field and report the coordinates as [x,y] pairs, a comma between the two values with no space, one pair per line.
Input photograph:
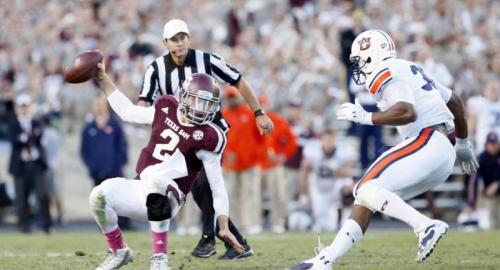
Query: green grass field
[378,250]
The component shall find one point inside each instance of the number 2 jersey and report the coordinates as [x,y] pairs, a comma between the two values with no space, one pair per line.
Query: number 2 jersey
[396,80]
[168,134]
[197,145]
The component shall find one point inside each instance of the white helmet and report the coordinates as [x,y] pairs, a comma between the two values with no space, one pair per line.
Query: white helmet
[367,51]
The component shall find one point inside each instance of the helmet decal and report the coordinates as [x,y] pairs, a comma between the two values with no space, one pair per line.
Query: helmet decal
[364,43]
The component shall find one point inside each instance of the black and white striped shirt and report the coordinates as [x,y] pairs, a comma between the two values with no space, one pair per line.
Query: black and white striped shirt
[164,77]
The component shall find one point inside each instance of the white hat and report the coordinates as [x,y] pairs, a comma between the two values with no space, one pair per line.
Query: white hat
[23,99]
[173,27]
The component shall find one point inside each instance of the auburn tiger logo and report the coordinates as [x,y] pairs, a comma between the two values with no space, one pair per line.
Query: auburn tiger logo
[364,43]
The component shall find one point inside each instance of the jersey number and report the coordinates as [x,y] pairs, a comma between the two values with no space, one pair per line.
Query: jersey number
[430,83]
[162,149]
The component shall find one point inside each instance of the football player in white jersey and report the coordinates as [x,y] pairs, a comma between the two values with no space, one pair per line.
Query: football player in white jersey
[327,169]
[423,112]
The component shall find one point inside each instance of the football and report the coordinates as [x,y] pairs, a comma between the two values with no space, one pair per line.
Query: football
[83,68]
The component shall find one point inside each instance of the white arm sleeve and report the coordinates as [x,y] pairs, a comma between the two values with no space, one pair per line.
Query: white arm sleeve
[158,176]
[128,111]
[444,91]
[211,163]
[397,91]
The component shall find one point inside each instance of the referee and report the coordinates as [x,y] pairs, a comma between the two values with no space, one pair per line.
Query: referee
[165,77]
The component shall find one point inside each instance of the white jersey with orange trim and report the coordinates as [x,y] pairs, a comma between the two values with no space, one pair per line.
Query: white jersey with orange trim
[396,80]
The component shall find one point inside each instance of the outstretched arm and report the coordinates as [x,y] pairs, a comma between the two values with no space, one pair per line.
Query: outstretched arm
[120,103]
[463,146]
[456,107]
[264,123]
[211,163]
[400,100]
[225,72]
[399,114]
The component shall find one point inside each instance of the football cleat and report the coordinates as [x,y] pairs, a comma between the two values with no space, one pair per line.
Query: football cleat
[428,239]
[317,263]
[320,262]
[231,253]
[159,261]
[205,247]
[117,259]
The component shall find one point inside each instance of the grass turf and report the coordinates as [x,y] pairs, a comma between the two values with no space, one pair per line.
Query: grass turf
[378,250]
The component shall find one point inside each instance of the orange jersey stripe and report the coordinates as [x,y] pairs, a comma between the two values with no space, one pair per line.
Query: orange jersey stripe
[379,81]
[389,159]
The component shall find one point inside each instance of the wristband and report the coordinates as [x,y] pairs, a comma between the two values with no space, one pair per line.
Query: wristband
[368,119]
[259,112]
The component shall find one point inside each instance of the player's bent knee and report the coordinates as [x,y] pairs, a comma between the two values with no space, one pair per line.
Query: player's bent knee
[158,207]
[368,196]
[97,198]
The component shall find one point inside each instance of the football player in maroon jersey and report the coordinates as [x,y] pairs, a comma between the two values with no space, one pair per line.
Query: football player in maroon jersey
[182,141]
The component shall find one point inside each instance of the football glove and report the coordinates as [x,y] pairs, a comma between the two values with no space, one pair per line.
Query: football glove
[355,113]
[466,156]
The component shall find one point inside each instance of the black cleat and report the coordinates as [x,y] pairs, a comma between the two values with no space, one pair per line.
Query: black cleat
[231,253]
[205,247]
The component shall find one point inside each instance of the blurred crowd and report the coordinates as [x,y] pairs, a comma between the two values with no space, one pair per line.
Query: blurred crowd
[294,53]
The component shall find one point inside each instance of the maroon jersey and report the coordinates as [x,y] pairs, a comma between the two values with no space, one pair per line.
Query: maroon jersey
[168,134]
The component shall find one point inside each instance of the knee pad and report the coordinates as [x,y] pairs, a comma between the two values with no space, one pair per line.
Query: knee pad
[158,206]
[369,196]
[97,198]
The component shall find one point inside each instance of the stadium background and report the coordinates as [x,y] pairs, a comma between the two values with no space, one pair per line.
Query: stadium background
[287,50]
